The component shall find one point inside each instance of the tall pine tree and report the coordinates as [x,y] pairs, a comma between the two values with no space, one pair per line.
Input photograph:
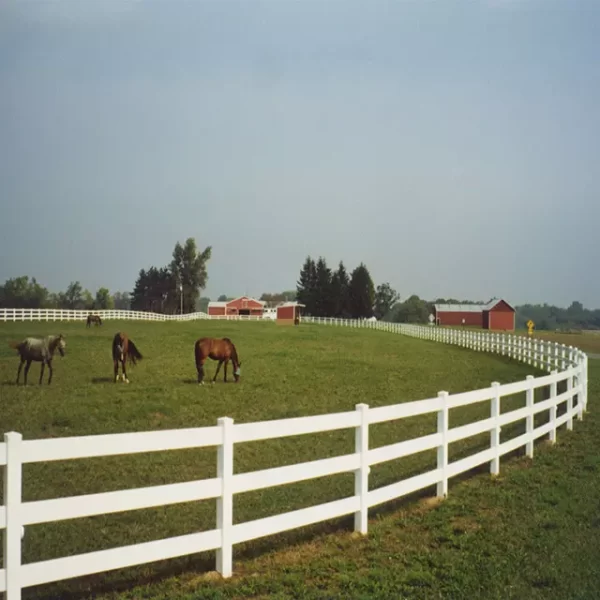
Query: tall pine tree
[340,284]
[324,305]
[307,285]
[362,293]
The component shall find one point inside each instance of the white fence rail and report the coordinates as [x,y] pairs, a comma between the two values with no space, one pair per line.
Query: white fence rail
[52,314]
[565,364]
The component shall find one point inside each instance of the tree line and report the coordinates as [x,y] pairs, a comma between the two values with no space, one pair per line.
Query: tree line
[335,293]
[324,292]
[165,289]
[173,288]
[23,292]
[550,318]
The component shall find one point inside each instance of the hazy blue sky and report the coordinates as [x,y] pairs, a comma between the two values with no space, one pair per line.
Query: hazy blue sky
[452,146]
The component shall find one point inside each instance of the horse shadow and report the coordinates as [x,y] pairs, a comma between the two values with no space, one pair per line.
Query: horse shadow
[206,381]
[102,379]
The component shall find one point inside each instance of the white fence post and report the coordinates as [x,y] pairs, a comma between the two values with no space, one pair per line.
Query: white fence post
[584,382]
[361,475]
[225,501]
[12,504]
[570,401]
[529,399]
[442,453]
[495,432]
[553,408]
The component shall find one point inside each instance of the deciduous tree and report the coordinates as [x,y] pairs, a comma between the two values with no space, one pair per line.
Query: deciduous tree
[385,298]
[188,268]
[104,301]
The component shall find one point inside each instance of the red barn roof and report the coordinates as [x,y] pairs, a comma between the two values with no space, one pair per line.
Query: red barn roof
[472,307]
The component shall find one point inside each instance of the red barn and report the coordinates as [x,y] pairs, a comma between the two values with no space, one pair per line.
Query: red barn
[288,313]
[496,314]
[239,306]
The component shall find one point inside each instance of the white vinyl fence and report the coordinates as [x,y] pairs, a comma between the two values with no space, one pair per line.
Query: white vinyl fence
[59,314]
[565,364]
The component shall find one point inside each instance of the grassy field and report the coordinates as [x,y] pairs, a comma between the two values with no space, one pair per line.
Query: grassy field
[588,342]
[466,544]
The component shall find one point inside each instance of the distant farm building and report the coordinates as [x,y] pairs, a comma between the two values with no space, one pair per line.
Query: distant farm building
[239,306]
[497,314]
[289,313]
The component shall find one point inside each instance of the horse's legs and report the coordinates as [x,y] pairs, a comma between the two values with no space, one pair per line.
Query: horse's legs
[51,371]
[19,369]
[124,363]
[26,371]
[42,371]
[217,371]
[200,369]
[116,365]
[225,370]
[124,370]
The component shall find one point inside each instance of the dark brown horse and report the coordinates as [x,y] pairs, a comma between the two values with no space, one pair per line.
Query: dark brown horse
[222,350]
[122,349]
[41,350]
[93,319]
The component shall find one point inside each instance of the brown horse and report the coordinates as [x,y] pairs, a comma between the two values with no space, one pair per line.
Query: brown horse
[122,349]
[93,319]
[222,350]
[41,350]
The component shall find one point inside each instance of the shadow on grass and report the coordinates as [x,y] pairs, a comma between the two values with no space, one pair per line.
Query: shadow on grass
[102,380]
[206,381]
[203,565]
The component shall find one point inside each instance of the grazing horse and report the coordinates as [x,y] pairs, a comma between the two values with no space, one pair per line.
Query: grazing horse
[93,319]
[222,350]
[123,348]
[41,350]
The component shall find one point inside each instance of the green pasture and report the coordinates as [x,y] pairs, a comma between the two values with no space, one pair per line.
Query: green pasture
[286,372]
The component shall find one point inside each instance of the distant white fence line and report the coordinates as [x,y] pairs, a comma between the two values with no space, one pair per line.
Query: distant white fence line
[566,364]
[59,314]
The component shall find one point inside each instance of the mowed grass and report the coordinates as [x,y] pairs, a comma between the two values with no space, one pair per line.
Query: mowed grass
[286,372]
[588,342]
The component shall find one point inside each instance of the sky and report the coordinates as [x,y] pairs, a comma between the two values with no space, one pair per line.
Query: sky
[452,147]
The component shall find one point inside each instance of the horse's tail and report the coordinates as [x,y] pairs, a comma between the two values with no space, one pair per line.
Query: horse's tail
[14,345]
[133,352]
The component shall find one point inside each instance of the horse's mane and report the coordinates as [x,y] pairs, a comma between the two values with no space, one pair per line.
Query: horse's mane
[53,340]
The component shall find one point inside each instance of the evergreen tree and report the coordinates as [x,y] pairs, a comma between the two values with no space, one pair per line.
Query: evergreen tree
[155,291]
[323,297]
[306,286]
[362,293]
[340,285]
